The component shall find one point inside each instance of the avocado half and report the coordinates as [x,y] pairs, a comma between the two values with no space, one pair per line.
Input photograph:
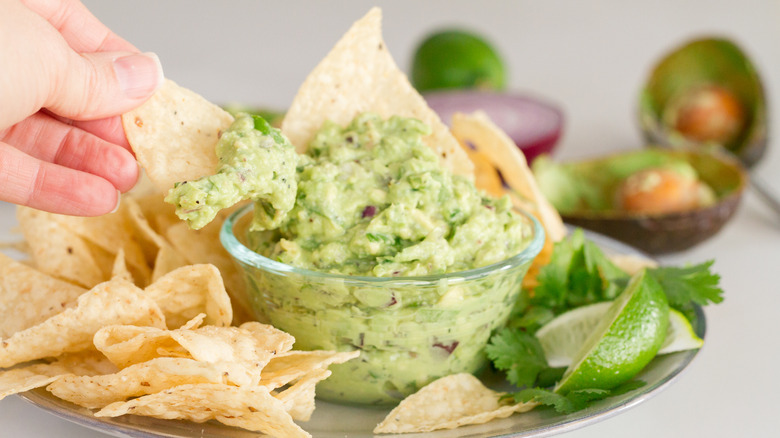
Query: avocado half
[706,61]
[584,194]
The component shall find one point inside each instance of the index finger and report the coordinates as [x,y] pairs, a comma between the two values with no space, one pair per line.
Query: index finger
[82,31]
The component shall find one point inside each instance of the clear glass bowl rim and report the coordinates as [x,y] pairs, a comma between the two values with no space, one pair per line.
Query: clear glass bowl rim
[245,255]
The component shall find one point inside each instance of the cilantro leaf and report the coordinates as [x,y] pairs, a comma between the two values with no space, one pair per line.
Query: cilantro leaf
[546,397]
[550,376]
[265,128]
[517,353]
[692,283]
[575,400]
[530,318]
[578,274]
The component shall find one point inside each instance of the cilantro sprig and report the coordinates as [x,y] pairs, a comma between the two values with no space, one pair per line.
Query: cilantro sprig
[579,273]
[519,354]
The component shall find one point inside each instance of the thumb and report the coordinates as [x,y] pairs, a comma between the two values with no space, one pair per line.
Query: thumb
[103,84]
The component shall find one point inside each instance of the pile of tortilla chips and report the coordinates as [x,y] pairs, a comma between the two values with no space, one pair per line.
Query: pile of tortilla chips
[112,314]
[131,312]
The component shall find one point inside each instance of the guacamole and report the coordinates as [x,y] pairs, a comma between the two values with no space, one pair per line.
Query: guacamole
[255,162]
[374,214]
[373,200]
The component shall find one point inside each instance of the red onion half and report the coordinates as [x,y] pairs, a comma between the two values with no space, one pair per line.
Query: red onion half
[535,126]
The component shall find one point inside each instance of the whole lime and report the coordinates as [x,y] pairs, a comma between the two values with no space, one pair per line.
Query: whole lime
[457,58]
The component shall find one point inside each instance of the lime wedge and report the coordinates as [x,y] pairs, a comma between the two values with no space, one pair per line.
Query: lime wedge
[624,341]
[562,337]
[680,336]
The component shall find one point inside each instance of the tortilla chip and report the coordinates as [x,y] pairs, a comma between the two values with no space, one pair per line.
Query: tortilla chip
[252,344]
[478,131]
[268,337]
[119,270]
[158,214]
[632,264]
[148,214]
[188,291]
[29,297]
[174,134]
[72,330]
[486,177]
[359,75]
[447,403]
[104,260]
[125,345]
[246,407]
[287,367]
[167,260]
[106,235]
[144,378]
[227,344]
[203,247]
[298,399]
[149,239]
[25,378]
[58,251]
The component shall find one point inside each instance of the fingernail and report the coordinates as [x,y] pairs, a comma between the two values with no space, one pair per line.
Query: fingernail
[118,201]
[139,74]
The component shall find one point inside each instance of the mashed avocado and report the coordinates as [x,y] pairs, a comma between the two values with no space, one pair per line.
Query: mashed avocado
[255,162]
[373,201]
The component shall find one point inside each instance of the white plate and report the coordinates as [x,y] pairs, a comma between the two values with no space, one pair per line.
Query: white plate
[337,421]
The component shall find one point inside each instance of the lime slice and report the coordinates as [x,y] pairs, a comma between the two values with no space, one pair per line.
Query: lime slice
[562,337]
[680,336]
[457,59]
[624,341]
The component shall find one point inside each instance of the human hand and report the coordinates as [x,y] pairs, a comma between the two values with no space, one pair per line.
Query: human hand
[65,78]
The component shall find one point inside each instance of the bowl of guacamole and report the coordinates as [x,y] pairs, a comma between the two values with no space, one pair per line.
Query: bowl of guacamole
[385,252]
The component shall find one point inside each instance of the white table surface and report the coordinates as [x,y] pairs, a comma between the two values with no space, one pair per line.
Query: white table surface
[590,58]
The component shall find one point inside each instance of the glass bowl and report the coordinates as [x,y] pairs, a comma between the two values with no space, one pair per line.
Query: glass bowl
[410,330]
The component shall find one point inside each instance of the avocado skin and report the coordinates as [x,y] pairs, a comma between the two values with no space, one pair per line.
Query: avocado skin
[663,234]
[652,233]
